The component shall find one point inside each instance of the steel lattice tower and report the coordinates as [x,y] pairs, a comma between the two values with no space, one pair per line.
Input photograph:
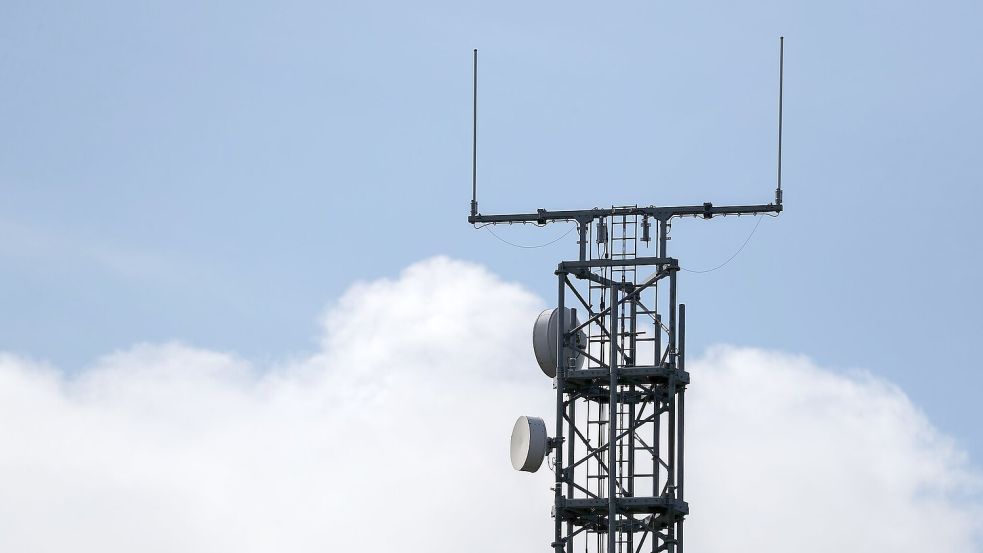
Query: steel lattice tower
[619,443]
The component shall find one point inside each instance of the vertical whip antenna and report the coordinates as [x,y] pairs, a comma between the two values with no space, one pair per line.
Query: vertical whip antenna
[474,137]
[781,83]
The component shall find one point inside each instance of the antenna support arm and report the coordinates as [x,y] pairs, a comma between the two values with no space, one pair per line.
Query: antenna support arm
[706,211]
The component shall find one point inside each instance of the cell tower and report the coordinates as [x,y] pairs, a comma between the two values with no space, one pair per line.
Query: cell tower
[619,370]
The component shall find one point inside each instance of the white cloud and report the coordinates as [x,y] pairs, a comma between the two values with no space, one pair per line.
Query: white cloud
[787,456]
[394,436]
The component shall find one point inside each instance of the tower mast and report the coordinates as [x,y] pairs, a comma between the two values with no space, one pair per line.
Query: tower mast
[616,348]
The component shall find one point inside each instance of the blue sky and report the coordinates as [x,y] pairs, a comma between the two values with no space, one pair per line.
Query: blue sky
[218,173]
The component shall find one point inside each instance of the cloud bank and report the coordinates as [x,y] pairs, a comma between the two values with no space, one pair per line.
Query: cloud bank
[394,435]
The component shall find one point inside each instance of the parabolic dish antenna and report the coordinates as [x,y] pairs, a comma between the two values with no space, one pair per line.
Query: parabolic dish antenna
[529,443]
[544,335]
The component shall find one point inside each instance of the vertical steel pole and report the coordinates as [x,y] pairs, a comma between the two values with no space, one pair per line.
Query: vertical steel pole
[561,343]
[657,423]
[681,407]
[571,423]
[673,358]
[631,421]
[663,252]
[663,239]
[612,430]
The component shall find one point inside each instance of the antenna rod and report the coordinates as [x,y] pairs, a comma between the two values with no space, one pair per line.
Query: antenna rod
[781,83]
[474,139]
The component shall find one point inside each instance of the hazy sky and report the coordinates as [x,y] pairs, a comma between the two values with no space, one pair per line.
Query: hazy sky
[218,173]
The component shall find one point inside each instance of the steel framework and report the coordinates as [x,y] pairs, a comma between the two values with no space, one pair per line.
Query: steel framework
[618,447]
